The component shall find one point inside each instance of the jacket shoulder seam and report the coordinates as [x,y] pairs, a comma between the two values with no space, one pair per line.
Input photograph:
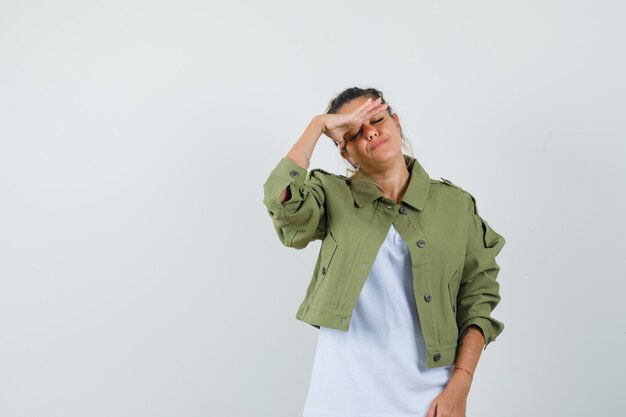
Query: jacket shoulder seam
[325,172]
[453,185]
[450,185]
[462,191]
[328,173]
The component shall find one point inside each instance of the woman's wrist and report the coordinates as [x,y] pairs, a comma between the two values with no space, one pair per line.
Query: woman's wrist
[302,150]
[460,380]
[458,368]
[318,122]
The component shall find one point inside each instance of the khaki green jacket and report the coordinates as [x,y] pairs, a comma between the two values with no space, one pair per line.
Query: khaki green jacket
[452,249]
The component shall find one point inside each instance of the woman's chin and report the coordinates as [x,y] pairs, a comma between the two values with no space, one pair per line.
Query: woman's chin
[385,152]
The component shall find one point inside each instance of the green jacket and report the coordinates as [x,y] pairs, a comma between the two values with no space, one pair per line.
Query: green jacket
[452,249]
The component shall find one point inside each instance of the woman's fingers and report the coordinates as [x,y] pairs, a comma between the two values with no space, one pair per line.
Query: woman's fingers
[363,106]
[374,107]
[432,410]
[370,112]
[379,108]
[366,107]
[338,125]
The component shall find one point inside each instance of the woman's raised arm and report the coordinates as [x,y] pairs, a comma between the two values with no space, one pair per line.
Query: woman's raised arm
[335,126]
[296,201]
[301,150]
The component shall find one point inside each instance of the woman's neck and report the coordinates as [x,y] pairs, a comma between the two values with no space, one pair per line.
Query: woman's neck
[393,182]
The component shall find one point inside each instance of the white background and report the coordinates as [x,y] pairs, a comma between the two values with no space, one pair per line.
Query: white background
[140,274]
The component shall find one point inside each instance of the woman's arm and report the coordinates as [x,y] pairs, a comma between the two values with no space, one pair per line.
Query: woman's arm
[468,354]
[335,127]
[452,401]
[302,218]
[296,203]
[305,144]
[479,290]
[478,296]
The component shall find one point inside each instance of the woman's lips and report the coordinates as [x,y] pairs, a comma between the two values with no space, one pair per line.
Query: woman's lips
[377,144]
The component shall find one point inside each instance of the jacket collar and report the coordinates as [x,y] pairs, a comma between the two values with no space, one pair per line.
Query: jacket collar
[364,190]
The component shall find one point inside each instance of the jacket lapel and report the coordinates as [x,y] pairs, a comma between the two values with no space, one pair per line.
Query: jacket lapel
[364,191]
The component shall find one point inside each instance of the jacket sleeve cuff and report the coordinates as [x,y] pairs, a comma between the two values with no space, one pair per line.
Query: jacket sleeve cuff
[285,174]
[489,327]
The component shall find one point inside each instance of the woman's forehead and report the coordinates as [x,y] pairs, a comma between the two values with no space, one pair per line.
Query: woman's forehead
[353,104]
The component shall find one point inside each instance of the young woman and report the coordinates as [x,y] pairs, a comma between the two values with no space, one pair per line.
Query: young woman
[405,280]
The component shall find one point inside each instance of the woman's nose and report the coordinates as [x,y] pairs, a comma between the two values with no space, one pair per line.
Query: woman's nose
[372,134]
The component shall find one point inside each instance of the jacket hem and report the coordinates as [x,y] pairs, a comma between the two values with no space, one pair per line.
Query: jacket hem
[317,315]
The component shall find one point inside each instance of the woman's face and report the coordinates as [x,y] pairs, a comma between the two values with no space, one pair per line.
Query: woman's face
[378,139]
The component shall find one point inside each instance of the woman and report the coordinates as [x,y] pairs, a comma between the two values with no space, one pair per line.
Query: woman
[405,281]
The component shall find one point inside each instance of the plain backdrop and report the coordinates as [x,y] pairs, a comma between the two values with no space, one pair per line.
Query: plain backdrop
[140,274]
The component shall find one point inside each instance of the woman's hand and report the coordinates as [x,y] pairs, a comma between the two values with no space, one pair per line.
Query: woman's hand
[335,126]
[452,401]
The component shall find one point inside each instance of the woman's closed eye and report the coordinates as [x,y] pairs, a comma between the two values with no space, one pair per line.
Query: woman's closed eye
[360,130]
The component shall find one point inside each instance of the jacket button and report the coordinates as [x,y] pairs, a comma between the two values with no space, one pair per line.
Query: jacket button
[323,270]
[389,206]
[428,297]
[403,210]
[421,243]
[293,173]
[437,357]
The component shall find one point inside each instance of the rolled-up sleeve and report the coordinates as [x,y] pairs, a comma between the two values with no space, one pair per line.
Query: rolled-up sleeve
[302,218]
[479,291]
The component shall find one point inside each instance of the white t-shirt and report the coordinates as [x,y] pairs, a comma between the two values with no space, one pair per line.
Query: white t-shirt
[377,368]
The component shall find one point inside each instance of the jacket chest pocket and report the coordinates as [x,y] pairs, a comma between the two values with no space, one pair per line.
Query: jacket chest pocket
[327,252]
[453,289]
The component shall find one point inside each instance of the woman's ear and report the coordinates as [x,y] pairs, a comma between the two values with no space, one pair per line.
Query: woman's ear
[397,119]
[344,154]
